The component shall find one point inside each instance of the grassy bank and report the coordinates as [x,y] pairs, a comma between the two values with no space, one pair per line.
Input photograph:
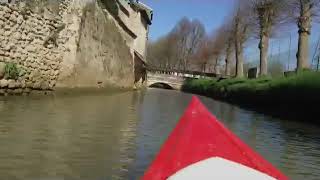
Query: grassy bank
[297,96]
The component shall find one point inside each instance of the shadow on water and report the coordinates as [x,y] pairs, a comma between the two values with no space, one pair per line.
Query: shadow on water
[161,86]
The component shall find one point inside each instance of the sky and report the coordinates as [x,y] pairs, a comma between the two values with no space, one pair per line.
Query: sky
[167,13]
[213,13]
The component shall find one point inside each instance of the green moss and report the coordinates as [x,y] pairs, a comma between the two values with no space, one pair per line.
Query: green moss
[12,71]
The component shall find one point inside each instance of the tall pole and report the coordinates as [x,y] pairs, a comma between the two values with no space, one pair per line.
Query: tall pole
[289,56]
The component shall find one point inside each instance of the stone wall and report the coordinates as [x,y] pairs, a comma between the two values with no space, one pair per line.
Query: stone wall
[22,37]
[96,50]
[78,46]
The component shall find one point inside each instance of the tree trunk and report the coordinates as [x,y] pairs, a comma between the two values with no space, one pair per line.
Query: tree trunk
[227,70]
[303,52]
[216,66]
[228,54]
[304,25]
[264,46]
[204,67]
[239,59]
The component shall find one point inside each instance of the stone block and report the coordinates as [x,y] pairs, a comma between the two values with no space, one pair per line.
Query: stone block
[12,84]
[19,20]
[36,85]
[4,83]
[2,92]
[18,84]
[44,86]
[29,84]
[13,18]
[17,35]
[56,73]
[15,28]
[7,33]
[7,27]
[6,15]
[2,69]
[2,23]
[31,49]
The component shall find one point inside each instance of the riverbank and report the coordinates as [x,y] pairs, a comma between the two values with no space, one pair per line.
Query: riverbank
[295,97]
[19,91]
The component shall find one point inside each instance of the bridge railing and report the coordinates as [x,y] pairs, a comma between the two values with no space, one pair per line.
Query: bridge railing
[184,73]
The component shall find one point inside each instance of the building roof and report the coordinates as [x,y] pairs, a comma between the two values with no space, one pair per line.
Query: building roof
[146,10]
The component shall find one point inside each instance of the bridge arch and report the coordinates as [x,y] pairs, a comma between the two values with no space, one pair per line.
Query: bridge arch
[161,85]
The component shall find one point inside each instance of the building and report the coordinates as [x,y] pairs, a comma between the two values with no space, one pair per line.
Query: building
[134,19]
[75,43]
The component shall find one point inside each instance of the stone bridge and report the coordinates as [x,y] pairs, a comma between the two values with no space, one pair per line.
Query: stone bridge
[174,79]
[166,81]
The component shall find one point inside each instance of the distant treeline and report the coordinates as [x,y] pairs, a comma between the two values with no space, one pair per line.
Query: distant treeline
[189,47]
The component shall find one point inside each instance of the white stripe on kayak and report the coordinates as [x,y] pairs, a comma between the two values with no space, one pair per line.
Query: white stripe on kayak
[219,169]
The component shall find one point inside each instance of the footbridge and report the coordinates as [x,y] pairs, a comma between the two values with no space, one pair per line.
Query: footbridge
[174,79]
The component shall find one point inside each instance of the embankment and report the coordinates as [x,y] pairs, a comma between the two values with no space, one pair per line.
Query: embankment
[294,97]
[61,44]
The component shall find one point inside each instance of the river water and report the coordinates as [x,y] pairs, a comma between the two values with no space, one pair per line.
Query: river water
[102,136]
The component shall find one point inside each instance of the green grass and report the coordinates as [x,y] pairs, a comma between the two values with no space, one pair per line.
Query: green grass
[299,93]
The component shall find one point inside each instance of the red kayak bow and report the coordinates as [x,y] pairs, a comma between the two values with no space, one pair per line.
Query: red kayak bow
[201,147]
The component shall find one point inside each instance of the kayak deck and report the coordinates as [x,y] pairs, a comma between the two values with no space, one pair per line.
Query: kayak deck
[200,137]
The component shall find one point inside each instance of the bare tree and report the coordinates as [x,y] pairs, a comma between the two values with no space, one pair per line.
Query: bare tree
[217,50]
[267,13]
[240,31]
[189,35]
[223,46]
[229,49]
[212,49]
[176,49]
[162,53]
[303,12]
[202,56]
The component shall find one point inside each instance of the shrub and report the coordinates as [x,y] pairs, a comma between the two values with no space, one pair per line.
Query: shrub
[305,85]
[12,71]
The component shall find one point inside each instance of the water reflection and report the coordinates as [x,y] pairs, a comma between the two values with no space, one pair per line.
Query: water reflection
[67,137]
[116,135]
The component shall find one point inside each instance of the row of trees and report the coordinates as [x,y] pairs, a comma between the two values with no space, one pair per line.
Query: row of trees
[188,46]
[176,50]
